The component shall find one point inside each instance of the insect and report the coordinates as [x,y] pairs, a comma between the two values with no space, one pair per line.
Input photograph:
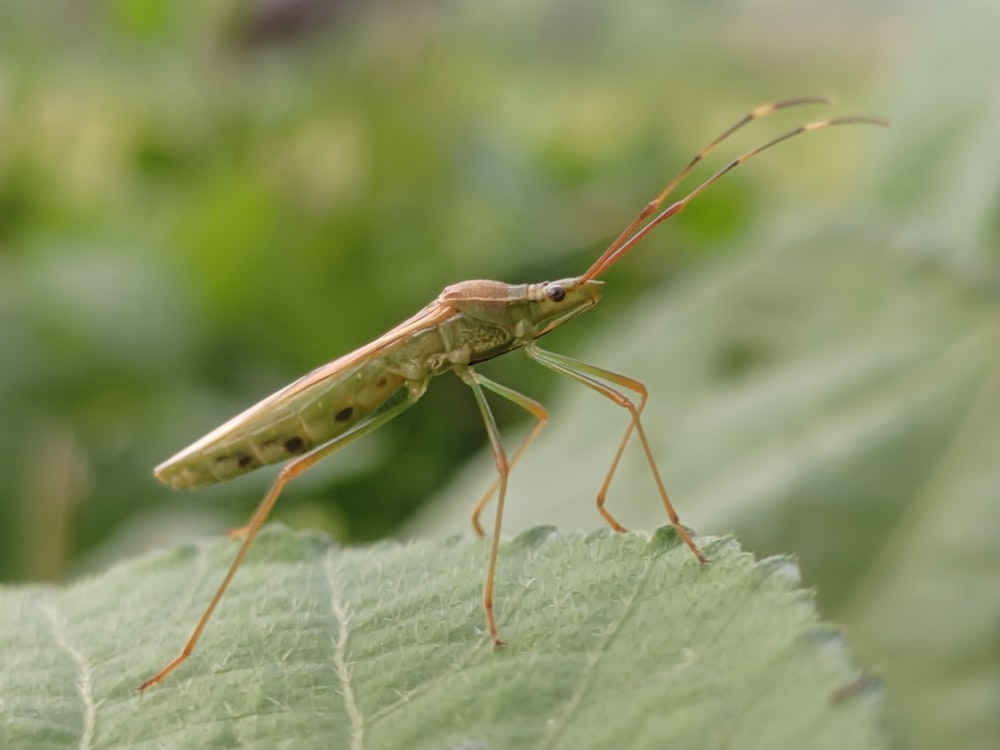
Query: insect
[469,322]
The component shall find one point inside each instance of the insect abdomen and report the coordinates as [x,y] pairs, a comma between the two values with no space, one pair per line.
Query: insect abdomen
[292,426]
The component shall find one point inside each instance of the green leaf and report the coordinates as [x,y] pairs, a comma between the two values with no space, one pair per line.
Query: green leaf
[612,639]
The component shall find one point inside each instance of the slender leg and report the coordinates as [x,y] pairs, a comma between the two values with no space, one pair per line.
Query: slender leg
[477,382]
[593,377]
[541,418]
[249,532]
[567,366]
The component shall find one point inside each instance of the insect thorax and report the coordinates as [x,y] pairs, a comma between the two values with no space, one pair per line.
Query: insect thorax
[474,341]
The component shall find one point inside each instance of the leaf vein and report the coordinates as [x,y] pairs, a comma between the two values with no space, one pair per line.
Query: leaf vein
[587,679]
[84,683]
[343,669]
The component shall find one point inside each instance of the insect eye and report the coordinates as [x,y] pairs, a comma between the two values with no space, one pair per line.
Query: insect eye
[556,293]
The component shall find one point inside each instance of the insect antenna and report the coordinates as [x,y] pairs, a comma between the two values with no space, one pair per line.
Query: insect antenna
[634,233]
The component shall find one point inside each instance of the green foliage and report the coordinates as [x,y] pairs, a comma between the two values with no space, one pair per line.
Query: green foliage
[195,210]
[613,640]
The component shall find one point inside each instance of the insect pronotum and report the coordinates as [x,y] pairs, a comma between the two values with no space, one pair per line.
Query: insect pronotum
[469,322]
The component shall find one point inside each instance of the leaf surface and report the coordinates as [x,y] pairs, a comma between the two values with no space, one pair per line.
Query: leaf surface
[612,640]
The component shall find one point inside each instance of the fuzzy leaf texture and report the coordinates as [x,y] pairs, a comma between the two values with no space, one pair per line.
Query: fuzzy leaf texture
[613,640]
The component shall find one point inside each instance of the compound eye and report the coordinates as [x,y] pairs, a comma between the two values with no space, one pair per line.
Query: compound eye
[555,292]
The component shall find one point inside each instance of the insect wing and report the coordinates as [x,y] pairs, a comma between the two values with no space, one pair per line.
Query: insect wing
[301,416]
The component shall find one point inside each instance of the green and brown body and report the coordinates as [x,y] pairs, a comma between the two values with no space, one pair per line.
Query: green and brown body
[469,322]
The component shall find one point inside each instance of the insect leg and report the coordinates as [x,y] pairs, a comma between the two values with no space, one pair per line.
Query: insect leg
[597,378]
[249,532]
[477,382]
[541,418]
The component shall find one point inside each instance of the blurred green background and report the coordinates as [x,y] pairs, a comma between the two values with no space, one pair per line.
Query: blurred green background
[199,202]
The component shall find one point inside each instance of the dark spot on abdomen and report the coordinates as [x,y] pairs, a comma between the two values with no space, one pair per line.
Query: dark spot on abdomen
[245,460]
[294,444]
[344,414]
